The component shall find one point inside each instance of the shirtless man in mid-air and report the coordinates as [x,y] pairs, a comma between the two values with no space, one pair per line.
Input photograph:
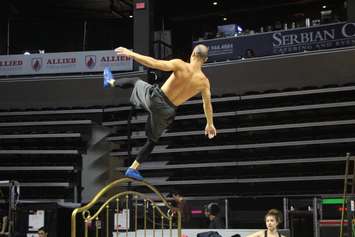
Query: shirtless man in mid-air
[185,81]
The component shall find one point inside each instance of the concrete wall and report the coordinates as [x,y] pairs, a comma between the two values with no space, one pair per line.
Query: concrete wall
[238,77]
[281,72]
[85,90]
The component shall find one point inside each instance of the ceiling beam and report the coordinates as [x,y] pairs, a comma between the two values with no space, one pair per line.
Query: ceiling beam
[245,9]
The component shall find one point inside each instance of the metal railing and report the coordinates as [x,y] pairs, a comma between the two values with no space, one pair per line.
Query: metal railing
[155,213]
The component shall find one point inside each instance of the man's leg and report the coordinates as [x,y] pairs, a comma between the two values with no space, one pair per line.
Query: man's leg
[158,120]
[122,83]
[140,97]
[125,82]
[144,152]
[142,155]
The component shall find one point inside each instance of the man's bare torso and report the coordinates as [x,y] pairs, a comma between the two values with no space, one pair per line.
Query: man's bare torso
[184,84]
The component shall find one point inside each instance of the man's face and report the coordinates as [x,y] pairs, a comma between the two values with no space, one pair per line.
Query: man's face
[41,233]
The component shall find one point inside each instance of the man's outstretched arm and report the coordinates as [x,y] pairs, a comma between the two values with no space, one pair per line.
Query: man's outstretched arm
[210,130]
[163,65]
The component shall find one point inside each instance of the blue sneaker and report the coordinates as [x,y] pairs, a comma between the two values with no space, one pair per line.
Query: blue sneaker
[107,77]
[134,174]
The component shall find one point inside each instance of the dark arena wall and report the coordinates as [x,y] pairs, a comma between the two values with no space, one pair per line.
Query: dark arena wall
[331,67]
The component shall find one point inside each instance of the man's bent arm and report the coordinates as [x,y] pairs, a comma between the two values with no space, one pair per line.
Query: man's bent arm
[207,106]
[163,65]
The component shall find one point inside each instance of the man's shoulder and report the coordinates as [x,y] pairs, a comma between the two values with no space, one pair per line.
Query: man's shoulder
[178,64]
[178,61]
[205,79]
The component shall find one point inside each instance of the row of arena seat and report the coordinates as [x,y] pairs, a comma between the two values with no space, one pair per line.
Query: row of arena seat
[42,149]
[295,138]
[274,143]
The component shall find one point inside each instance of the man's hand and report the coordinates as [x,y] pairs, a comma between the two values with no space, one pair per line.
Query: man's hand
[123,51]
[210,131]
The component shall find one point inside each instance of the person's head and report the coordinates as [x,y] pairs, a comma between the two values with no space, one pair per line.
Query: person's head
[212,210]
[272,219]
[199,54]
[42,232]
[177,196]
[249,53]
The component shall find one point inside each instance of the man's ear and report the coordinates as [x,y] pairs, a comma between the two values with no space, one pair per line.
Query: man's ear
[206,59]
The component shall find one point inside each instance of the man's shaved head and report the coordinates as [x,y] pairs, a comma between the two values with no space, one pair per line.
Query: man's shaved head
[201,52]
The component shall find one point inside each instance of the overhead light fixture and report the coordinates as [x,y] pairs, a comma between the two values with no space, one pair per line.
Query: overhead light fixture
[215,3]
[324,6]
[225,18]
[130,16]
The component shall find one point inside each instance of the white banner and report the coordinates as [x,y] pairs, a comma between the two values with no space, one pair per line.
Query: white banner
[69,62]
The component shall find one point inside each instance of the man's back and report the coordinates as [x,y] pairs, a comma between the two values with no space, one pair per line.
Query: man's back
[184,83]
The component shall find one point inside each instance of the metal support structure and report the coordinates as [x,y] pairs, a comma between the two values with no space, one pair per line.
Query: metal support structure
[84,35]
[14,195]
[90,211]
[226,213]
[285,211]
[8,38]
[76,199]
[315,218]
[143,11]
[345,196]
[349,205]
